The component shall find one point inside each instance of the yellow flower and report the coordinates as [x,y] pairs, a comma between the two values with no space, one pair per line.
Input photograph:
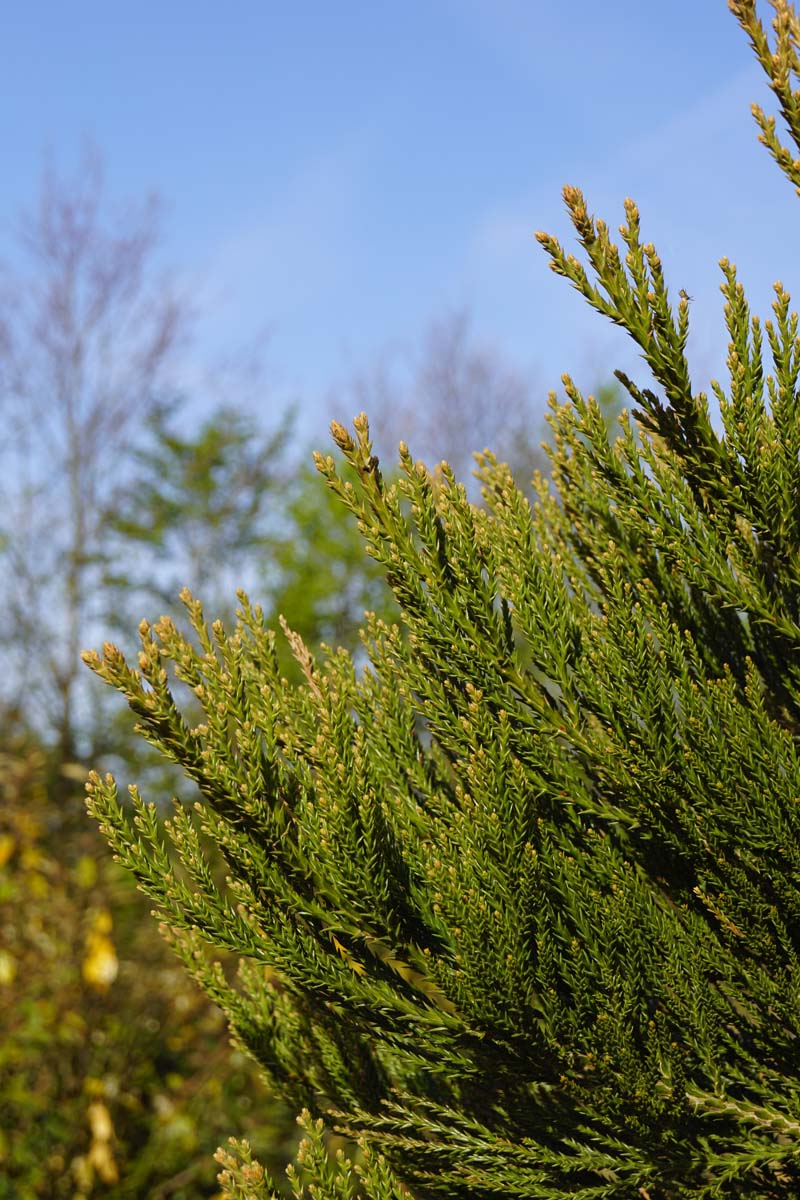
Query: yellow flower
[7,846]
[100,1158]
[100,1122]
[101,964]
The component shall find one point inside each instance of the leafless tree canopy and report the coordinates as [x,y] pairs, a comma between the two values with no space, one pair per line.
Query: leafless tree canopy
[89,340]
[455,397]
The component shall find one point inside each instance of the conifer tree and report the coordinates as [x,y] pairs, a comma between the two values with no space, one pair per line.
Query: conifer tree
[518,905]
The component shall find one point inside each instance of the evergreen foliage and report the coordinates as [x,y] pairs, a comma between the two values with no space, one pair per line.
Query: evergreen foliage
[317,573]
[517,905]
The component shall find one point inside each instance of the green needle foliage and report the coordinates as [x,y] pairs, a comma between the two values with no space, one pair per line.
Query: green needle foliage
[517,906]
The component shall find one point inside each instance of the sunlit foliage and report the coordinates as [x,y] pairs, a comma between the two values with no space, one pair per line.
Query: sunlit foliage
[517,905]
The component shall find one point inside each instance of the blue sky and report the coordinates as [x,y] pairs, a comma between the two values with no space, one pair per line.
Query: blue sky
[345,172]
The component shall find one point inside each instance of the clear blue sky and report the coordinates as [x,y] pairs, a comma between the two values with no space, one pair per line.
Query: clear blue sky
[344,172]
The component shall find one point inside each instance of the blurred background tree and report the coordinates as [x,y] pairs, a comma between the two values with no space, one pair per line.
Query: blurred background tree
[454,395]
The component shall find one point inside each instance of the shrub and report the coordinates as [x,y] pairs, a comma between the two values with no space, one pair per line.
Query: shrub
[530,880]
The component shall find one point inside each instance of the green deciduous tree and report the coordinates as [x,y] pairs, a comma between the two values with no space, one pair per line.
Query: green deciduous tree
[516,905]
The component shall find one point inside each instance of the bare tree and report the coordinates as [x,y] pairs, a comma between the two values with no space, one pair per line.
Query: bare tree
[89,348]
[454,397]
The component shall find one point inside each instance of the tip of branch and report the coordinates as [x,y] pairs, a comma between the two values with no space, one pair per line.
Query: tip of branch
[341,437]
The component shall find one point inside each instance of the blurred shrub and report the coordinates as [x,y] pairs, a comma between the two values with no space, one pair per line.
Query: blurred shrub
[116,1075]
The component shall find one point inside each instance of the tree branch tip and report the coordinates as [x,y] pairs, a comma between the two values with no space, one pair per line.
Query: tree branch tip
[341,436]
